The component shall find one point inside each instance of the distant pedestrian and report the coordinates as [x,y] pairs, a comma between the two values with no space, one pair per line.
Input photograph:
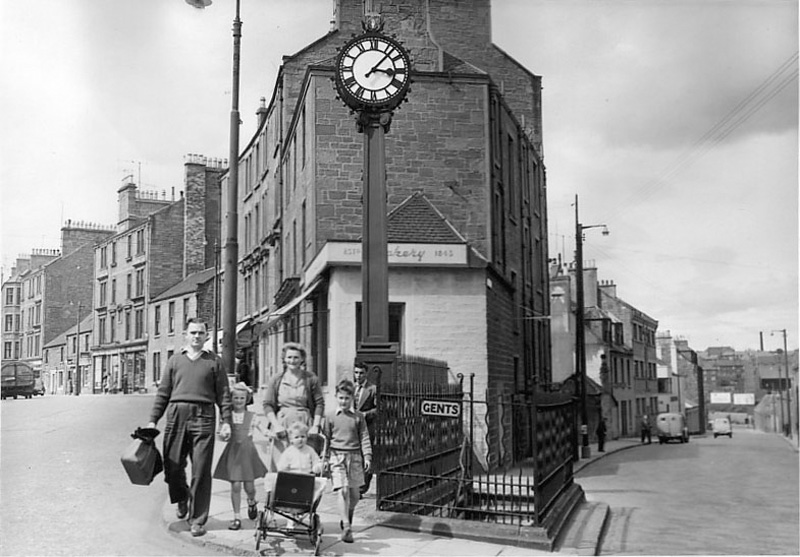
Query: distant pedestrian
[194,380]
[366,402]
[239,462]
[243,373]
[646,434]
[350,454]
[601,435]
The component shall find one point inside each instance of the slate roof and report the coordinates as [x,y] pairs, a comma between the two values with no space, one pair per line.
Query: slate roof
[187,285]
[417,221]
[87,324]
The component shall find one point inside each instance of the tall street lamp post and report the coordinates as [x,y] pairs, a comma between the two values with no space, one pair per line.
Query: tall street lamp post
[231,247]
[580,339]
[788,387]
[77,381]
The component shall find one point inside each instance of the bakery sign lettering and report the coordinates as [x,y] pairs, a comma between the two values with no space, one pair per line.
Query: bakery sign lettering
[410,254]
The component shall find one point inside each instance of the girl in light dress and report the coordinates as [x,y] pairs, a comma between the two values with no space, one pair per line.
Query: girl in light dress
[239,463]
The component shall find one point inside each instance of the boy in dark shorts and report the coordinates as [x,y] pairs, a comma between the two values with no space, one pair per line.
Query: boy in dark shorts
[350,454]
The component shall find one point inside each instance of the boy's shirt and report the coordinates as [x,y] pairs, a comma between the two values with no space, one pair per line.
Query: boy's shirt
[347,431]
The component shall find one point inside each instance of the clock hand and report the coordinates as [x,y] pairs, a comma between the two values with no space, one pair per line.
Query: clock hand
[375,67]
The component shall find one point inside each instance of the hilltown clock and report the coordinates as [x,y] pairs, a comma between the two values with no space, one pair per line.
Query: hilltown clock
[372,72]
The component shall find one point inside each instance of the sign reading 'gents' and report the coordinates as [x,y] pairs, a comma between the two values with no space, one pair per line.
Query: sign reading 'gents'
[441,408]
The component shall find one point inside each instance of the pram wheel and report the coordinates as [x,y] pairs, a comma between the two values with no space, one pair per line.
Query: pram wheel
[316,532]
[261,528]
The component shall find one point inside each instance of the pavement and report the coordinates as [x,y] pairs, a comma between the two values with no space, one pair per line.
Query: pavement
[383,533]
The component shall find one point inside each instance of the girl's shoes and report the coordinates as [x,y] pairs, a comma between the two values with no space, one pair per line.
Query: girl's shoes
[236,524]
[252,510]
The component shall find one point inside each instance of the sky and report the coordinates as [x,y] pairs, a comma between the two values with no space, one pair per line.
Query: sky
[674,122]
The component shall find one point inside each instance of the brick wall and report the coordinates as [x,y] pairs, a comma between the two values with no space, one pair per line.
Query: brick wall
[461,28]
[67,281]
[166,248]
[213,198]
[126,204]
[437,144]
[73,237]
[205,303]
[503,336]
[194,219]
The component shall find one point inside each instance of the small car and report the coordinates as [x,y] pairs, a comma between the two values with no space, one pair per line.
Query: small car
[38,387]
[722,426]
[671,425]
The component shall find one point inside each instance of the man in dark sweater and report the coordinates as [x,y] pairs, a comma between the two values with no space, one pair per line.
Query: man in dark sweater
[193,381]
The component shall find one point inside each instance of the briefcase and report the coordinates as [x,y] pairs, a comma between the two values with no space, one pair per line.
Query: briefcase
[141,458]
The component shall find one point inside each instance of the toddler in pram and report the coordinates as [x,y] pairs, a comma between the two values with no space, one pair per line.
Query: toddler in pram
[294,492]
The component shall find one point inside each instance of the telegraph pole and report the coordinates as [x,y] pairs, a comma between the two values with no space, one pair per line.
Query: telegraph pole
[788,385]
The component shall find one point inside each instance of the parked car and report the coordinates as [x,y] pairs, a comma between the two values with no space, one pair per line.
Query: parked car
[722,426]
[38,386]
[671,425]
[17,379]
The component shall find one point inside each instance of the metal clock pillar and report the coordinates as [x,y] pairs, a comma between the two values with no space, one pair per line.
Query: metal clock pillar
[372,78]
[375,350]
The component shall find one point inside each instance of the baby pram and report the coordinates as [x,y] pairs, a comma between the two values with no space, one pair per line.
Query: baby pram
[294,497]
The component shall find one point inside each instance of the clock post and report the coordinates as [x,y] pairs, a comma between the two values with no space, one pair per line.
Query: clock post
[372,79]
[375,350]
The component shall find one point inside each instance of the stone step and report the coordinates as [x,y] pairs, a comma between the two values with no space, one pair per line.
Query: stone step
[584,531]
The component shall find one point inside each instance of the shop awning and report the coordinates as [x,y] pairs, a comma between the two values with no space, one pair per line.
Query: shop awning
[282,311]
[241,326]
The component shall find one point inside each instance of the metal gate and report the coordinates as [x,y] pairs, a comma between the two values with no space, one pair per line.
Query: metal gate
[419,441]
[426,464]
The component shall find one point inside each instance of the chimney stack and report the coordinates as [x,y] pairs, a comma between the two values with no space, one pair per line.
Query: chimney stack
[261,113]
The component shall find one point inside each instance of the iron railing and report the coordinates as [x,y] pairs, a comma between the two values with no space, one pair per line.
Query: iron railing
[426,462]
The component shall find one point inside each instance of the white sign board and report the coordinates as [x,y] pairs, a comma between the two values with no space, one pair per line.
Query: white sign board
[720,398]
[418,255]
[745,399]
[441,408]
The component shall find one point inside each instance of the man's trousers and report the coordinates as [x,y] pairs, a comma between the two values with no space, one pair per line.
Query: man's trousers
[189,432]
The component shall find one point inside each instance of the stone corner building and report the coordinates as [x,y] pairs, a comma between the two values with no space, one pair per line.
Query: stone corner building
[466,196]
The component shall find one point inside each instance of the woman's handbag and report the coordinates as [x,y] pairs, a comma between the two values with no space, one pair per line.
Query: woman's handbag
[141,458]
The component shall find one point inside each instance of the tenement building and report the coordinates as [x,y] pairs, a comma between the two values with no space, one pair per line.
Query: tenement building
[159,241]
[56,293]
[466,205]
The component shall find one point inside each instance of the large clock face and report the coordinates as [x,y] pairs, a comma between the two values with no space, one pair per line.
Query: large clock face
[372,71]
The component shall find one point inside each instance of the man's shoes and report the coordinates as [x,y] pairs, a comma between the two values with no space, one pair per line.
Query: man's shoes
[183,509]
[236,524]
[347,536]
[198,530]
[252,510]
